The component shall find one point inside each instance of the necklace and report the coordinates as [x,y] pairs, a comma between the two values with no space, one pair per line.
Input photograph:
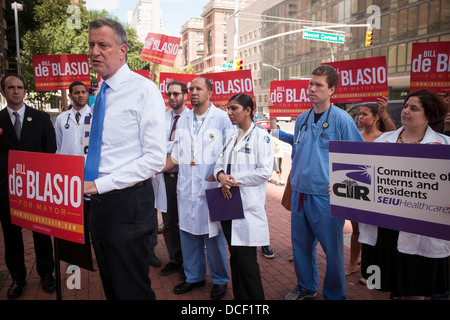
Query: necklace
[400,138]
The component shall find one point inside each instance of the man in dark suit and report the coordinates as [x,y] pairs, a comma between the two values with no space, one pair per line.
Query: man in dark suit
[25,129]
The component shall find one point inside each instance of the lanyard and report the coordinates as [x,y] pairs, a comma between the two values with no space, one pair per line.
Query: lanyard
[197,128]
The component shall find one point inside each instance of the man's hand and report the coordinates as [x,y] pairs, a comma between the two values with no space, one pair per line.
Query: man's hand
[90,187]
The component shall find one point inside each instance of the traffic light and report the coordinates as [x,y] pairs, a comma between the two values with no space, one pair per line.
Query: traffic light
[239,63]
[369,38]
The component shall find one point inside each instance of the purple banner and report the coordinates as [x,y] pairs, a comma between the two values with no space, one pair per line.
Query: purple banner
[431,151]
[396,186]
[392,222]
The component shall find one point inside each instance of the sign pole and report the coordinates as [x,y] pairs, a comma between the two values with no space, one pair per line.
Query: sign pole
[57,270]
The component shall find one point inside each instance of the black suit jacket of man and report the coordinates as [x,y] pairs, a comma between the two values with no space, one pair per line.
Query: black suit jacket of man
[38,135]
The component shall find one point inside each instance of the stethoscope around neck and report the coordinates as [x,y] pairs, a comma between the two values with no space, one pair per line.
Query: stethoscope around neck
[305,124]
[67,125]
[246,138]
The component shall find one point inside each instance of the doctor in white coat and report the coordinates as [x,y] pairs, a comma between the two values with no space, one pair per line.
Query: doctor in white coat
[199,138]
[247,162]
[69,125]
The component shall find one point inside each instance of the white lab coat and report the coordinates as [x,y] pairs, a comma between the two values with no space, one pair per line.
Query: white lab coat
[193,209]
[70,140]
[251,165]
[159,186]
[410,243]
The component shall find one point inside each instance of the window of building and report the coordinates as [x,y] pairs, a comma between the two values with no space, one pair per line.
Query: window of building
[392,59]
[445,15]
[402,32]
[412,21]
[401,57]
[433,22]
[423,19]
[393,22]
[209,42]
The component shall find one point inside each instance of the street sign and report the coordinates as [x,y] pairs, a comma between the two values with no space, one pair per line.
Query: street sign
[321,36]
[226,66]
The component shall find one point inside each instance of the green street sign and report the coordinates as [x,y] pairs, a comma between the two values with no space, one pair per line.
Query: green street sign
[321,36]
[226,66]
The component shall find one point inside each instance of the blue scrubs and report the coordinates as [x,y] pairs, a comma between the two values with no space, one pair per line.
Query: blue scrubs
[310,207]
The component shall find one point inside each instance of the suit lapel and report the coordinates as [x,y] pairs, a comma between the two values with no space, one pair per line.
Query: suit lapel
[27,121]
[7,126]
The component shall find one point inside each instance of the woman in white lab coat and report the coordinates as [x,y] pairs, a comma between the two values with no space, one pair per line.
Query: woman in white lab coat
[247,162]
[412,266]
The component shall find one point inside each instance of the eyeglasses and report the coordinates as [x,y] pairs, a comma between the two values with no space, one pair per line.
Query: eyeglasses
[174,94]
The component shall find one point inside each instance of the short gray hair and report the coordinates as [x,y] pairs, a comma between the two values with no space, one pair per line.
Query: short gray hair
[119,30]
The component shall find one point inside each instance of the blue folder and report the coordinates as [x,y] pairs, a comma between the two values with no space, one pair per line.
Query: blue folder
[224,209]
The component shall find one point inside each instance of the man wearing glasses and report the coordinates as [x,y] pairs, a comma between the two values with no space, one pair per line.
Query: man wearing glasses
[177,93]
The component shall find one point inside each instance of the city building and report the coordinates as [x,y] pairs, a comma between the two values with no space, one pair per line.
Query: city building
[192,45]
[249,22]
[397,24]
[146,18]
[215,16]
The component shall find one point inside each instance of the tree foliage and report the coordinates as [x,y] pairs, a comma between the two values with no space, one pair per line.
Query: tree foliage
[62,29]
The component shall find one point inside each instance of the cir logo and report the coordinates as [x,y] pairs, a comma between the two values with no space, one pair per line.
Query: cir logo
[349,188]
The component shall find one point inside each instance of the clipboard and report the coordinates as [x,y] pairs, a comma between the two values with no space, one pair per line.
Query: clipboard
[221,209]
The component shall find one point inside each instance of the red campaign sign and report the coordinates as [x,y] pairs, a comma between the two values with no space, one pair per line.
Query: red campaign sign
[360,80]
[430,67]
[46,193]
[144,73]
[225,84]
[289,97]
[167,77]
[56,72]
[160,49]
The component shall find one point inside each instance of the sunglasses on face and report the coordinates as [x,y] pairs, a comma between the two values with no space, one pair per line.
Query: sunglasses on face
[174,94]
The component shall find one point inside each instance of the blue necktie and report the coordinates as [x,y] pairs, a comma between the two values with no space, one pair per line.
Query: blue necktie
[95,136]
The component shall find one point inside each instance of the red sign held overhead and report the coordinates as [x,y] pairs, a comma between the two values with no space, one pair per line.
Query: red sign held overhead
[289,97]
[224,84]
[360,80]
[430,67]
[56,72]
[47,198]
[160,49]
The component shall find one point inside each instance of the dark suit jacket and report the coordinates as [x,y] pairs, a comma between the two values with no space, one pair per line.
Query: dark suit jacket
[38,135]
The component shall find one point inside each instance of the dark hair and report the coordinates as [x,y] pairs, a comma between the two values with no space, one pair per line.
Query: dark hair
[3,82]
[119,31]
[433,107]
[76,83]
[183,86]
[328,71]
[244,100]
[375,111]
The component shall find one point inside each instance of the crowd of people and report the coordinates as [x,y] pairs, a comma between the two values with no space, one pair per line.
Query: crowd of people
[141,158]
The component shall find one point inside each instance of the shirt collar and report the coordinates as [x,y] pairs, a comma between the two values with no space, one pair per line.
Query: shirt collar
[178,114]
[121,75]
[81,111]
[21,111]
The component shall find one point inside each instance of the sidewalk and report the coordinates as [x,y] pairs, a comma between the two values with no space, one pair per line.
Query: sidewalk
[278,274]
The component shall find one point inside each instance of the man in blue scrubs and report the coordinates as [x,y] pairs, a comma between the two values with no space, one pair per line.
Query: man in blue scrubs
[310,207]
